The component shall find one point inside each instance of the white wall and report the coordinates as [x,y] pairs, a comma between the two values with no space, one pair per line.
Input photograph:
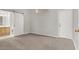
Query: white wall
[65,18]
[27,16]
[75,14]
[44,23]
[76,26]
[58,23]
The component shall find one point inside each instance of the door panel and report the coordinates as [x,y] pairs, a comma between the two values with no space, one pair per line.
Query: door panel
[18,24]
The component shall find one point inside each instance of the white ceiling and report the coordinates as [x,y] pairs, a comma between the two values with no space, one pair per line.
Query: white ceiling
[24,10]
[16,10]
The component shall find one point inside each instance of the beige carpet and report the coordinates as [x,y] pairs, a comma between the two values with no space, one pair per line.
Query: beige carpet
[36,42]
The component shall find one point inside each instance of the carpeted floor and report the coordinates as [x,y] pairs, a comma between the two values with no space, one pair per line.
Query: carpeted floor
[36,42]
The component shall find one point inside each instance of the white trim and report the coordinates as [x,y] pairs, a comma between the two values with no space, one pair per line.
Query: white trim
[76,48]
[51,35]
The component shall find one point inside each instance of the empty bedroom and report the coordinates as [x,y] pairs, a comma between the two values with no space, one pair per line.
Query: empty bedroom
[39,29]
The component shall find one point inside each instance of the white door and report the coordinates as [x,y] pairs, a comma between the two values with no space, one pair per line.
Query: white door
[65,23]
[18,24]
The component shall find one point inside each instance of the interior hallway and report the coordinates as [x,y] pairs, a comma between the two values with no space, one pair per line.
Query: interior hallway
[36,42]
